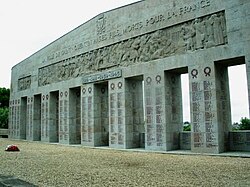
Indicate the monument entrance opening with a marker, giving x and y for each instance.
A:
(23, 118)
(101, 112)
(37, 117)
(75, 115)
(54, 117)
(134, 113)
(174, 112)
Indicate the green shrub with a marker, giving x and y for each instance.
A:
(243, 125)
(186, 126)
(4, 114)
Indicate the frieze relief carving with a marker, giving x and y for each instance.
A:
(24, 83)
(197, 34)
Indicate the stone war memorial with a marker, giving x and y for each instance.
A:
(115, 80)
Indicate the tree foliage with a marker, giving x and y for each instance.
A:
(186, 126)
(4, 107)
(4, 114)
(243, 125)
(4, 97)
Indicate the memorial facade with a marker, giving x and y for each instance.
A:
(115, 80)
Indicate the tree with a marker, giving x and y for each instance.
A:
(4, 114)
(4, 107)
(4, 97)
(243, 125)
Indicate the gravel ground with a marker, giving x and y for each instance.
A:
(57, 165)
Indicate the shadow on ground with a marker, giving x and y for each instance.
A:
(10, 181)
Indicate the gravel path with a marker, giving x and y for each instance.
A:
(57, 165)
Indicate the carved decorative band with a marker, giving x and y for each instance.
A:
(200, 33)
(24, 83)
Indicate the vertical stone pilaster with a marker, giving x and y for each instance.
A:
(117, 114)
(247, 61)
(29, 119)
(45, 118)
(87, 116)
(210, 108)
(223, 104)
(63, 116)
(14, 126)
(155, 112)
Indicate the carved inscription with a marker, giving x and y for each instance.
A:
(84, 120)
(149, 111)
(14, 119)
(196, 113)
(209, 126)
(159, 94)
(90, 119)
(29, 118)
(120, 120)
(87, 122)
(112, 117)
(24, 83)
(102, 76)
(193, 35)
(46, 119)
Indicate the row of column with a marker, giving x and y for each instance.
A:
(144, 111)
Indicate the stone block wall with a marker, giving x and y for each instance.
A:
(239, 140)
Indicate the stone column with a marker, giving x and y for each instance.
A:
(224, 106)
(29, 119)
(87, 116)
(14, 126)
(156, 138)
(210, 108)
(247, 60)
(117, 114)
(63, 116)
(45, 118)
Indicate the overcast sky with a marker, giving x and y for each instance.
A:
(28, 25)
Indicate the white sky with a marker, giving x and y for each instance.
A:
(28, 25)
